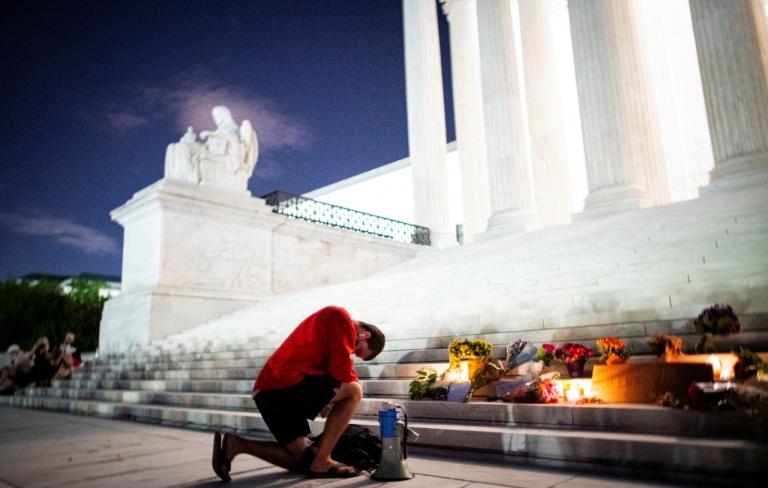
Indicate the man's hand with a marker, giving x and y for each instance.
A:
(326, 409)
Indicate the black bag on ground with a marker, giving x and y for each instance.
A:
(357, 447)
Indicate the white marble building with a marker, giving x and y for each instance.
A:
(579, 125)
(670, 132)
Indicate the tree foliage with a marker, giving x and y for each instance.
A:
(29, 310)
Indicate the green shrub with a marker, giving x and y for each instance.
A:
(30, 310)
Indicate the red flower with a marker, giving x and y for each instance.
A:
(549, 348)
(570, 352)
(696, 398)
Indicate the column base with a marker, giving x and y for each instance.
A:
(508, 222)
(611, 200)
(442, 240)
(737, 173)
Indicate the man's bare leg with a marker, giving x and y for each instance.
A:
(345, 403)
(288, 457)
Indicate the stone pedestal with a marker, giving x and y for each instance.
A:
(426, 120)
(190, 254)
(728, 41)
(505, 115)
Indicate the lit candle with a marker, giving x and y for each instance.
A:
(716, 366)
(726, 373)
(572, 394)
(464, 375)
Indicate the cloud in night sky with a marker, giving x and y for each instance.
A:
(268, 169)
(189, 102)
(61, 230)
(121, 119)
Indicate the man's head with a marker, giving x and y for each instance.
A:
(14, 354)
(369, 340)
(69, 338)
(14, 350)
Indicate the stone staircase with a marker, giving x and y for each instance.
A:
(630, 275)
(209, 390)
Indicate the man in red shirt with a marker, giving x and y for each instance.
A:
(312, 371)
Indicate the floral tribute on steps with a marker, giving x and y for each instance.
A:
(472, 370)
(612, 350)
(717, 320)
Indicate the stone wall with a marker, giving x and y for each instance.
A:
(192, 254)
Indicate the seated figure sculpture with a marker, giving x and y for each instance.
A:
(223, 158)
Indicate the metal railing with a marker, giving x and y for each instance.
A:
(299, 207)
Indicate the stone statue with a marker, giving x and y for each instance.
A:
(223, 158)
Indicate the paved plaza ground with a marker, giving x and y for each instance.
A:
(52, 449)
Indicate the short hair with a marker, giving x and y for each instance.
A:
(376, 341)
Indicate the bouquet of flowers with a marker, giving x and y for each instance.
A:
(715, 320)
(718, 320)
(537, 391)
(427, 386)
(573, 353)
(612, 350)
(491, 372)
(546, 353)
(520, 352)
(465, 349)
(475, 353)
(749, 364)
(661, 344)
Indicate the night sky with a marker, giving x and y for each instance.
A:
(93, 91)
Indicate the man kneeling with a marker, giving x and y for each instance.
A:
(312, 371)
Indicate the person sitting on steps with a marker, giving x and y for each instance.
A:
(311, 372)
(18, 373)
(67, 357)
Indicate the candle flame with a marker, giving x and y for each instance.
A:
(717, 366)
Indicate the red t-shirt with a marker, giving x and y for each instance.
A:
(322, 344)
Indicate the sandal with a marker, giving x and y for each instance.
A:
(334, 472)
(219, 461)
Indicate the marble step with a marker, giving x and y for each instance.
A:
(378, 387)
(201, 386)
(754, 335)
(614, 418)
(628, 241)
(559, 256)
(587, 310)
(416, 337)
(702, 455)
(561, 297)
(405, 370)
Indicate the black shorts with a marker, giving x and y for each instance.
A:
(287, 410)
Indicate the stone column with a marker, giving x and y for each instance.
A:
(735, 90)
(468, 114)
(545, 73)
(426, 119)
(621, 143)
(505, 115)
(666, 39)
(760, 7)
